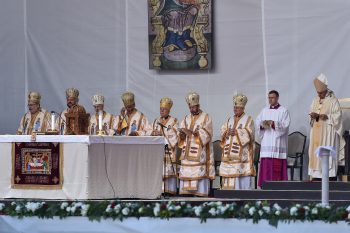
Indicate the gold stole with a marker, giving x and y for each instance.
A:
(193, 145)
(232, 150)
(171, 150)
(317, 132)
(32, 121)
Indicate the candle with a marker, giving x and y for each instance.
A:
(100, 113)
(52, 121)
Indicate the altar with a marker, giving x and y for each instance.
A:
(93, 167)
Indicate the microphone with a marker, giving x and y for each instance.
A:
(59, 115)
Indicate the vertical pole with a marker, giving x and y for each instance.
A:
(325, 178)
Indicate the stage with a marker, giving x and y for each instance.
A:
(177, 214)
(151, 225)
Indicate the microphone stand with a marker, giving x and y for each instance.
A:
(59, 115)
(167, 153)
(120, 124)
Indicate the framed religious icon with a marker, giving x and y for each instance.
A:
(37, 165)
(180, 34)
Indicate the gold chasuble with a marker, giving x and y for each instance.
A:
(37, 122)
(168, 127)
(237, 158)
(197, 159)
(135, 122)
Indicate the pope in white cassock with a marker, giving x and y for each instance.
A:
(107, 118)
(326, 128)
(272, 125)
(197, 159)
(167, 126)
(237, 142)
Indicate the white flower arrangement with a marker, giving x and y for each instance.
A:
(120, 210)
(212, 211)
(293, 211)
(252, 210)
(33, 206)
(222, 209)
(117, 208)
(2, 206)
(73, 209)
(156, 209)
(126, 211)
(267, 209)
(348, 209)
(64, 205)
(18, 208)
(141, 210)
(277, 207)
(109, 209)
(260, 212)
(198, 210)
(84, 209)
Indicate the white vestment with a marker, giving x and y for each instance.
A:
(326, 133)
(107, 120)
(274, 141)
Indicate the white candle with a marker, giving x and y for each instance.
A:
(100, 114)
(52, 121)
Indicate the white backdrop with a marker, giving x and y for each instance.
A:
(100, 46)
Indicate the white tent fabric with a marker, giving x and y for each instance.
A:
(102, 47)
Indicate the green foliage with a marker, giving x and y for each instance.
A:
(97, 210)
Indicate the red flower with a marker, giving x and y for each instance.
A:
(344, 215)
(163, 207)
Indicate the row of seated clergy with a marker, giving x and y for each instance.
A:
(38, 120)
(131, 121)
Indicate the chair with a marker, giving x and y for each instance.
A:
(256, 162)
(296, 148)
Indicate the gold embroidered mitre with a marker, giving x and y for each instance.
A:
(128, 98)
(97, 99)
(192, 99)
(72, 92)
(166, 103)
(34, 97)
(240, 100)
(321, 83)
